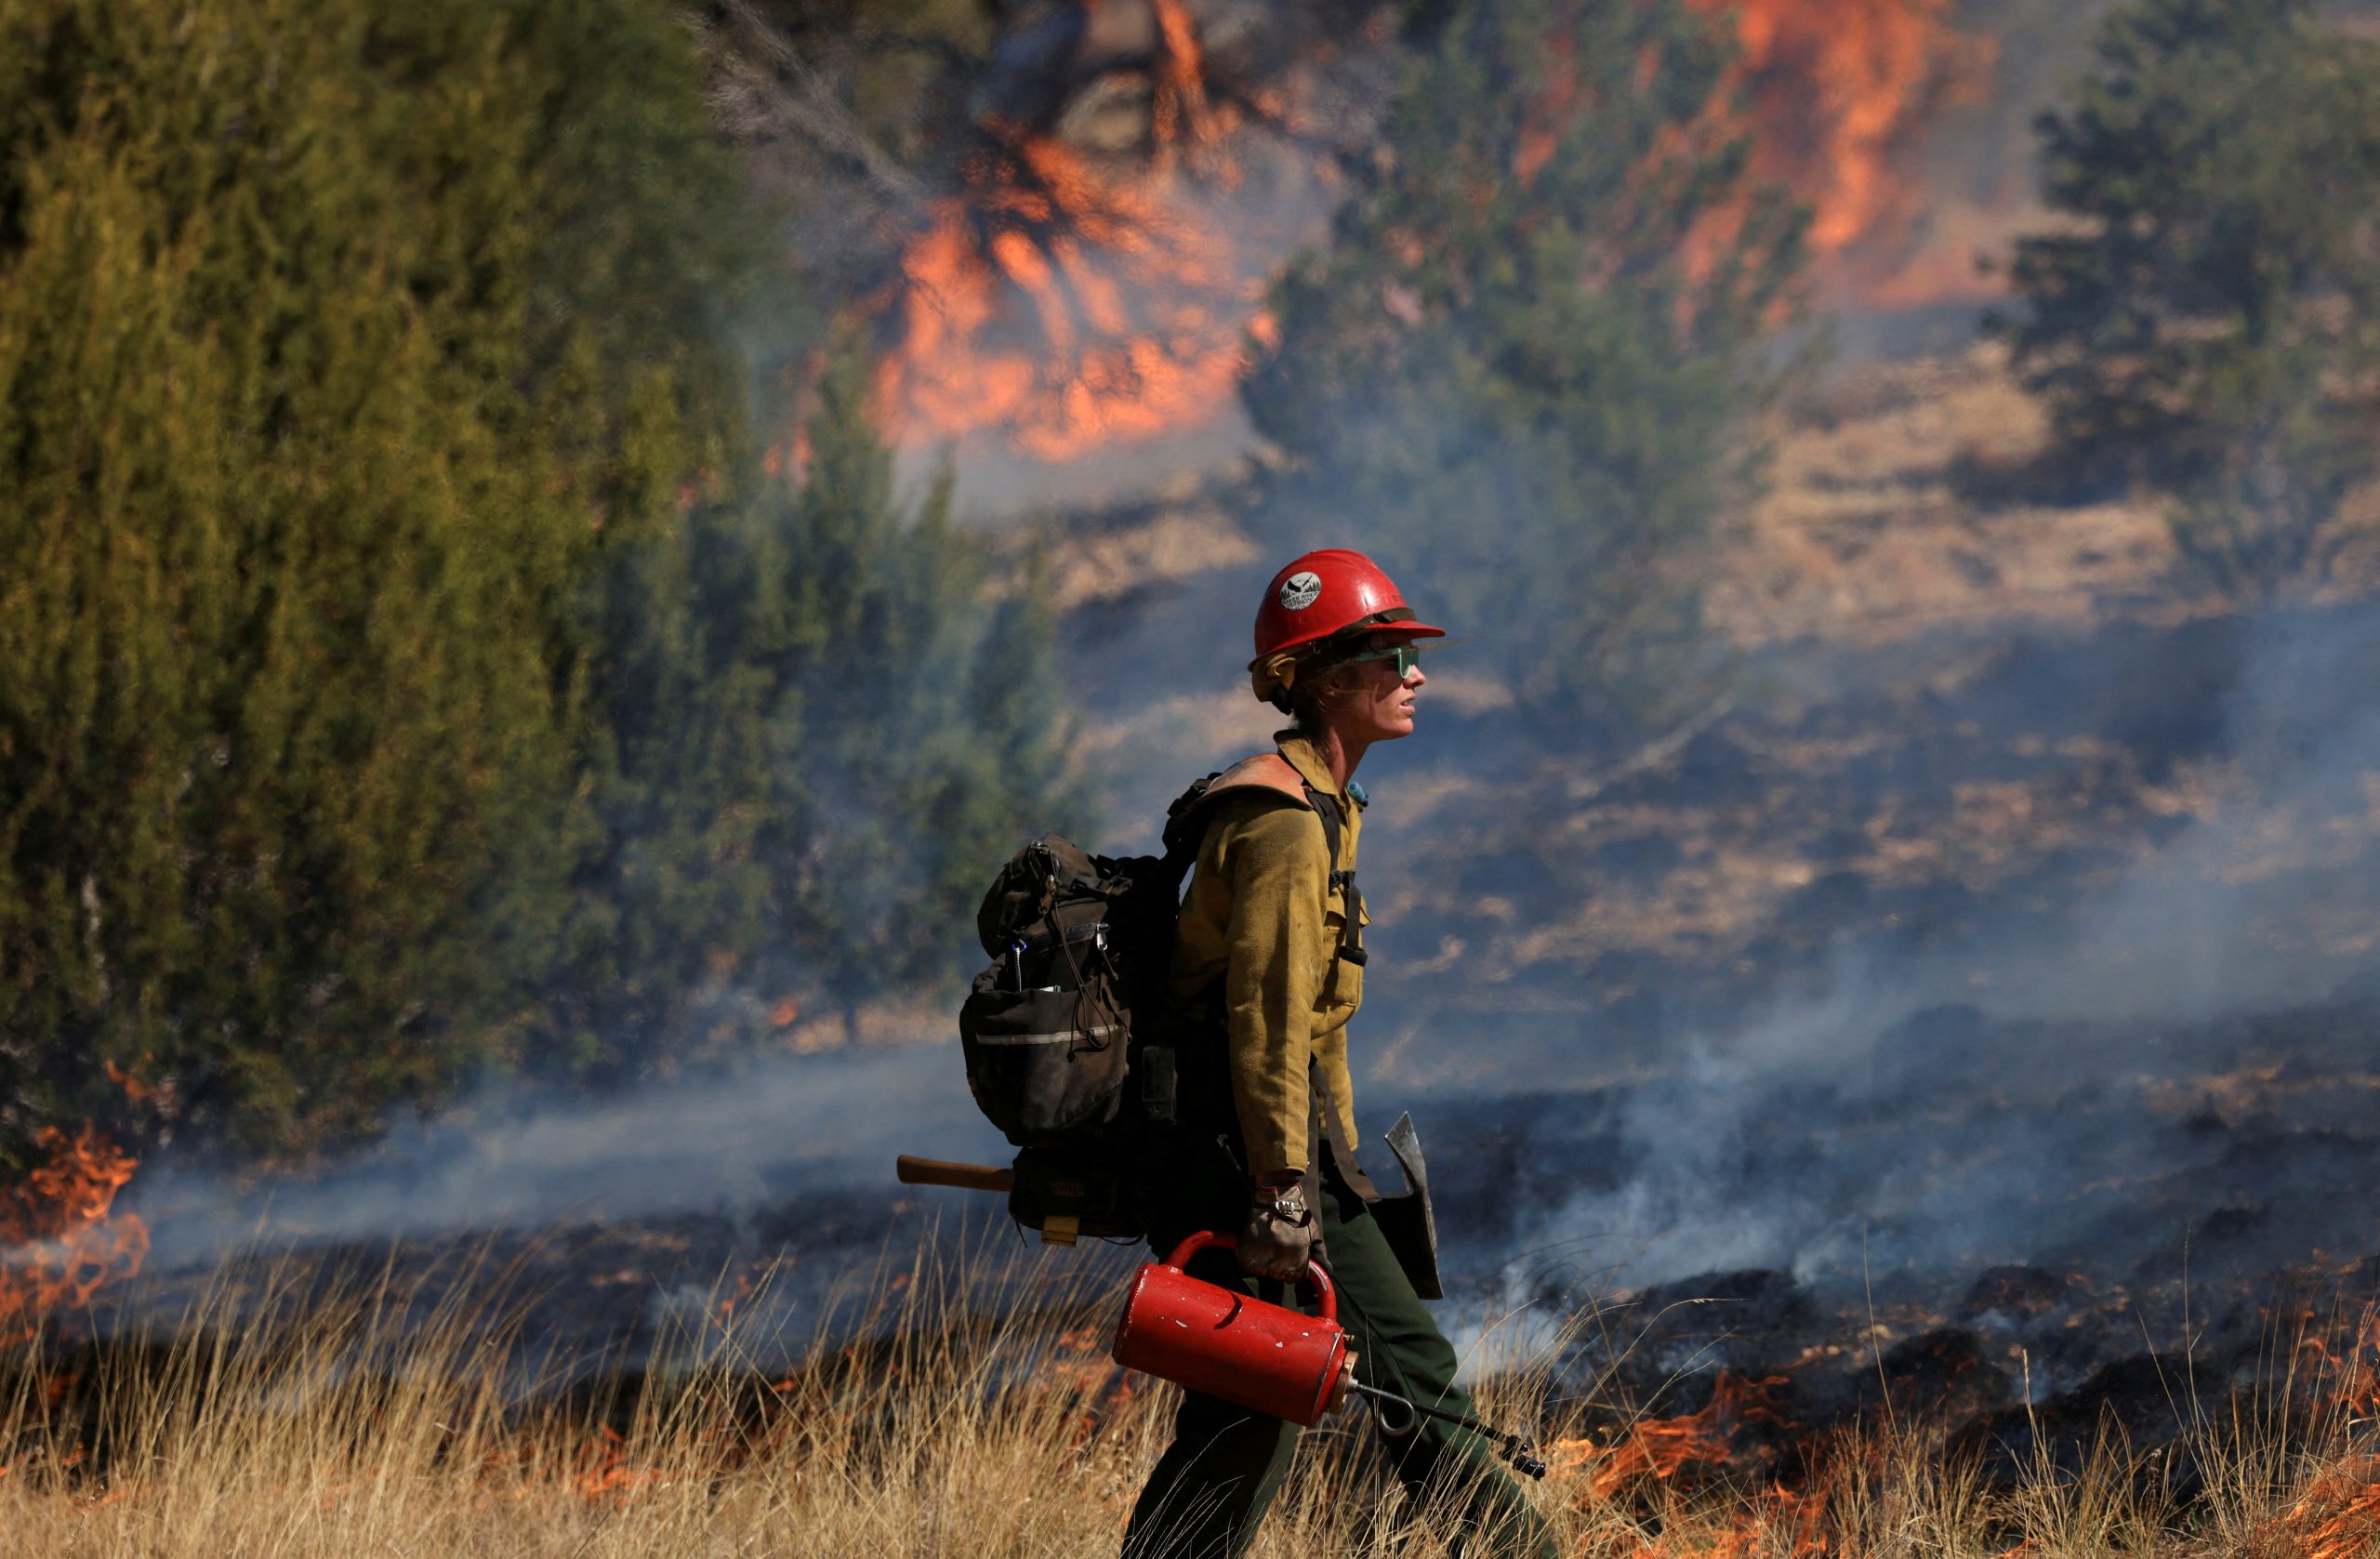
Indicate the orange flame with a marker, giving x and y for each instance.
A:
(2339, 1516)
(1177, 110)
(1657, 1450)
(1062, 308)
(60, 1239)
(1837, 85)
(134, 1089)
(2340, 1365)
(1839, 89)
(604, 1468)
(1777, 1522)
(1079, 1371)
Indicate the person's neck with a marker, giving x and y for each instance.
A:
(1340, 753)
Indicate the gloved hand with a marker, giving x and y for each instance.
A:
(1279, 1234)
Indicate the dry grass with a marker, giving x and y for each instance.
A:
(1886, 516)
(354, 1424)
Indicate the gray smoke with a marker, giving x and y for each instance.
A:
(777, 1131)
(2027, 1096)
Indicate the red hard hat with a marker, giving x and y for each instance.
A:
(1327, 593)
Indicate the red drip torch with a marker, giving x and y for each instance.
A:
(1264, 1357)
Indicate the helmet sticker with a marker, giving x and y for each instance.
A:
(1300, 591)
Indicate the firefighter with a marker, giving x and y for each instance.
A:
(1267, 970)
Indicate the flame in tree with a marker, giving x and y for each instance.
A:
(60, 1239)
(1062, 306)
(1839, 88)
(1066, 307)
(1133, 321)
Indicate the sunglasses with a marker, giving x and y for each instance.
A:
(1406, 656)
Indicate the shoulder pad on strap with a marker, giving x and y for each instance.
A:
(1268, 771)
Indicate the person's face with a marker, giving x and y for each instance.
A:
(1377, 702)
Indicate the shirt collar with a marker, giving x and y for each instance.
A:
(1302, 756)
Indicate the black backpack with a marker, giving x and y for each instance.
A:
(1068, 1034)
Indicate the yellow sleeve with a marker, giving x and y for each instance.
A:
(1281, 871)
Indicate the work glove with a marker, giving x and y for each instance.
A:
(1279, 1234)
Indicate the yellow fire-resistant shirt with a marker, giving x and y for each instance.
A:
(1262, 915)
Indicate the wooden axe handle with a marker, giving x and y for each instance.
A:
(967, 1177)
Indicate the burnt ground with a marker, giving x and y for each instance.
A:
(1989, 1226)
(1981, 1224)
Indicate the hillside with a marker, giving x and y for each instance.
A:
(1981, 742)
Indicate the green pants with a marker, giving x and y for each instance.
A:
(1214, 1482)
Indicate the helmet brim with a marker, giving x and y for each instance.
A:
(1353, 630)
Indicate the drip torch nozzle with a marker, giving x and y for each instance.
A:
(1518, 1450)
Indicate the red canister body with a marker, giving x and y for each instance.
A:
(1264, 1357)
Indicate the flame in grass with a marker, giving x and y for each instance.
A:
(928, 1426)
(1653, 1451)
(1777, 1522)
(1079, 1372)
(2338, 1517)
(1658, 1450)
(604, 1468)
(61, 1240)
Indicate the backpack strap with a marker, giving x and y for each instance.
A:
(1350, 947)
(1269, 771)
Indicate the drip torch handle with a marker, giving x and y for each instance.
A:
(1205, 1239)
(966, 1176)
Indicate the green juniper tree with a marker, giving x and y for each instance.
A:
(1520, 368)
(407, 667)
(924, 700)
(2209, 312)
(825, 718)
(340, 346)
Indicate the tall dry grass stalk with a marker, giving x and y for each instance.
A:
(957, 1409)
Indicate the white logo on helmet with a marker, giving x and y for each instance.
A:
(1300, 591)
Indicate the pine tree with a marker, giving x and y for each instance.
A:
(1520, 369)
(2208, 312)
